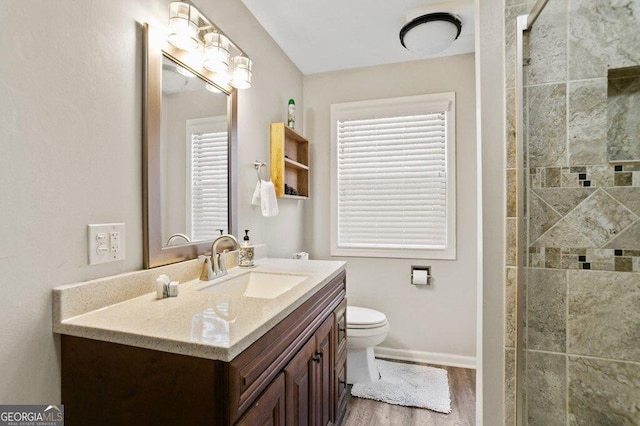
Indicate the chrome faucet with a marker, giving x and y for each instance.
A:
(176, 236)
(224, 243)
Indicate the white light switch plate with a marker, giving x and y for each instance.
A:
(105, 243)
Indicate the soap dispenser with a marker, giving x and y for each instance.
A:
(246, 251)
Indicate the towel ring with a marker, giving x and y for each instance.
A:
(258, 166)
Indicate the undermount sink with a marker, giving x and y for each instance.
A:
(262, 285)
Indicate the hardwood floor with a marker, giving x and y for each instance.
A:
(462, 384)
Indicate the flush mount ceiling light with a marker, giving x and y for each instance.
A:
(172, 82)
(185, 72)
(192, 33)
(431, 33)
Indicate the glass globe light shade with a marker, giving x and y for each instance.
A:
(430, 34)
(216, 53)
(241, 72)
(183, 26)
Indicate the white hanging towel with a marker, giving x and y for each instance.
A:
(268, 200)
(255, 200)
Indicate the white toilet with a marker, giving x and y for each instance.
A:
(366, 328)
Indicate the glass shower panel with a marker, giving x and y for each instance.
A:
(578, 345)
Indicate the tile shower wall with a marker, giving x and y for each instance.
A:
(581, 319)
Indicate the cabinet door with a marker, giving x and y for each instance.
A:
(340, 364)
(269, 408)
(341, 392)
(299, 383)
(324, 373)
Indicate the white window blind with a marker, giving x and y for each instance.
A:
(209, 189)
(393, 185)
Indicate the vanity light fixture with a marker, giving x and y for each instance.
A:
(191, 31)
(431, 33)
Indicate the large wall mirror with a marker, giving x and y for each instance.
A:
(189, 150)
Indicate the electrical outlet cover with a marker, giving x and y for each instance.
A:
(105, 243)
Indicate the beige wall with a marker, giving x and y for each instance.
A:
(437, 320)
(70, 131)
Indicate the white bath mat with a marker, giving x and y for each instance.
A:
(409, 385)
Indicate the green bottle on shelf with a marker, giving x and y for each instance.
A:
(291, 114)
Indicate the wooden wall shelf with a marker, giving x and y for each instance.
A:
(289, 161)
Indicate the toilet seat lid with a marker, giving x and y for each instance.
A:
(358, 317)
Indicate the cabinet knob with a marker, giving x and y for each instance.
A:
(317, 357)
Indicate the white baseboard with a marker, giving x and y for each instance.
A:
(426, 357)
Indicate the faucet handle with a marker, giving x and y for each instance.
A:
(216, 264)
(223, 261)
(220, 268)
(207, 272)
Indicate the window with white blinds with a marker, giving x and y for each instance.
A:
(208, 187)
(394, 177)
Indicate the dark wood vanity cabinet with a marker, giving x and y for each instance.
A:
(269, 408)
(293, 375)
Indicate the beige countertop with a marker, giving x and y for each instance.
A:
(202, 321)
